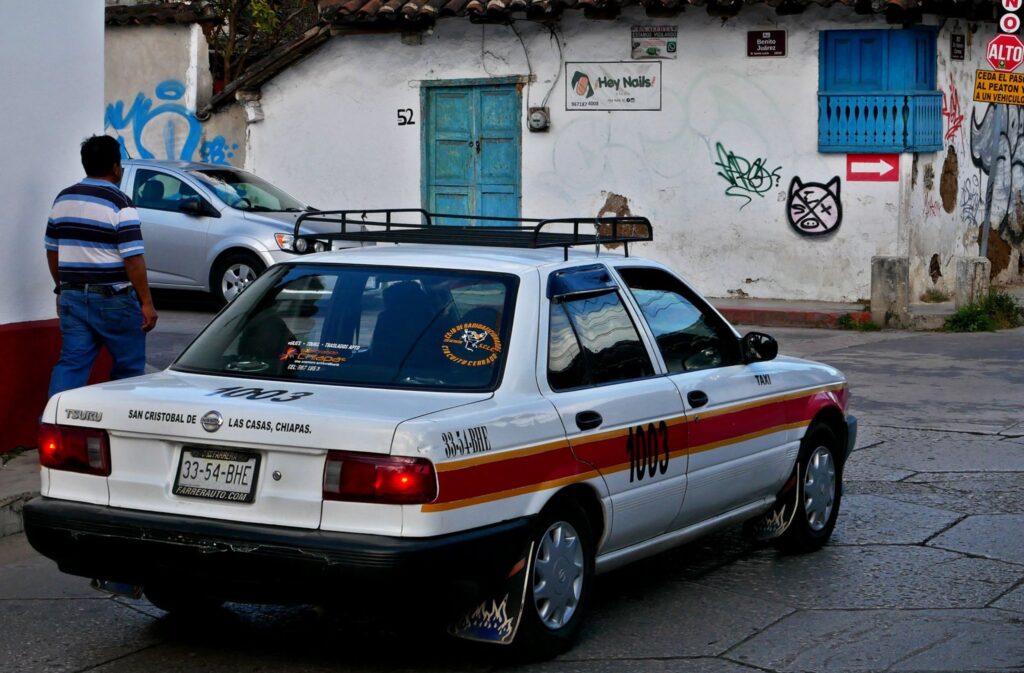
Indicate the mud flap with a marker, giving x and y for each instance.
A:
(117, 588)
(775, 521)
(496, 618)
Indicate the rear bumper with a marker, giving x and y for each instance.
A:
(851, 435)
(263, 563)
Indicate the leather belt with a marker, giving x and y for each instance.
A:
(105, 290)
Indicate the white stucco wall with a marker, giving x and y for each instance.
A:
(52, 79)
(330, 136)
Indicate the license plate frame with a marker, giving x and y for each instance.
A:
(218, 461)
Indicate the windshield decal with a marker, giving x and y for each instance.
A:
(310, 356)
(471, 344)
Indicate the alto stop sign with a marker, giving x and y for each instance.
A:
(1005, 52)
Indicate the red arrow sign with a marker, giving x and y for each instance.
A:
(873, 167)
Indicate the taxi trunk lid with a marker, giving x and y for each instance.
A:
(276, 433)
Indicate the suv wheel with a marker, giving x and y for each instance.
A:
(233, 274)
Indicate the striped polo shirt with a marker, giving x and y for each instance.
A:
(93, 228)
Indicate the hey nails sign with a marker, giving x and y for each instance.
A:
(873, 167)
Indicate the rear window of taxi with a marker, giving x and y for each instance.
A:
(365, 326)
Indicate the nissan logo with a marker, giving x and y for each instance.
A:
(212, 421)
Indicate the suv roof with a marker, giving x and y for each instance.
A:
(180, 165)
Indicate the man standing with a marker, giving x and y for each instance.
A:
(95, 253)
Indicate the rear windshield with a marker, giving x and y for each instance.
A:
(373, 326)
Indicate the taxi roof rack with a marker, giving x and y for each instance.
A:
(380, 226)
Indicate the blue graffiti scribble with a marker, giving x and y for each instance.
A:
(142, 114)
(217, 151)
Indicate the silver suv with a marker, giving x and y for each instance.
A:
(212, 228)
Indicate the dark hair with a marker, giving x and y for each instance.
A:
(99, 155)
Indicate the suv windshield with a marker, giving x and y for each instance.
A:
(245, 191)
(384, 327)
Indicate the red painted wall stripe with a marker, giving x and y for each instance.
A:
(29, 351)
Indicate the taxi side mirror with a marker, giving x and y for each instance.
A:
(758, 347)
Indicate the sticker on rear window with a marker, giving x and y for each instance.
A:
(313, 356)
(471, 344)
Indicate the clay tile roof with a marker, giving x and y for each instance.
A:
(342, 13)
(158, 14)
(341, 16)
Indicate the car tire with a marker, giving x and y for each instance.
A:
(821, 491)
(233, 274)
(178, 600)
(560, 583)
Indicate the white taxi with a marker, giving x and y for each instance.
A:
(488, 424)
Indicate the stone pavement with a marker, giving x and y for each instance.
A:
(925, 571)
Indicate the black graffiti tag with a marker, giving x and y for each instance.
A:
(813, 208)
(745, 177)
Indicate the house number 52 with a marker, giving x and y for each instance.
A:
(405, 117)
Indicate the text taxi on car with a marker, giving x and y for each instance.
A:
(476, 417)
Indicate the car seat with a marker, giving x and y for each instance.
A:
(152, 194)
(403, 322)
(265, 337)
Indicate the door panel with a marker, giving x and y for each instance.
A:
(641, 432)
(175, 241)
(499, 133)
(472, 148)
(598, 369)
(453, 161)
(736, 432)
(735, 441)
(497, 204)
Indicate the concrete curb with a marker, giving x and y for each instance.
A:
(19, 483)
(776, 317)
(10, 513)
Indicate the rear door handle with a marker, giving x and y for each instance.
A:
(588, 420)
(697, 398)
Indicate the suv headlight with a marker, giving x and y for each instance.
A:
(288, 243)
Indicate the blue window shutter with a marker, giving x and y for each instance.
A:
(855, 60)
(913, 60)
(877, 91)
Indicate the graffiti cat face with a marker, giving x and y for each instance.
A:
(812, 208)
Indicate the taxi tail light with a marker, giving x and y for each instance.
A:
(361, 477)
(74, 449)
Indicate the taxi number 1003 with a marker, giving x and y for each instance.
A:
(258, 394)
(648, 451)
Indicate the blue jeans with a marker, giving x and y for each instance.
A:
(88, 321)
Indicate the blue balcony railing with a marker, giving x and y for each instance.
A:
(890, 122)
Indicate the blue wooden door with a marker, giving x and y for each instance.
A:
(472, 151)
